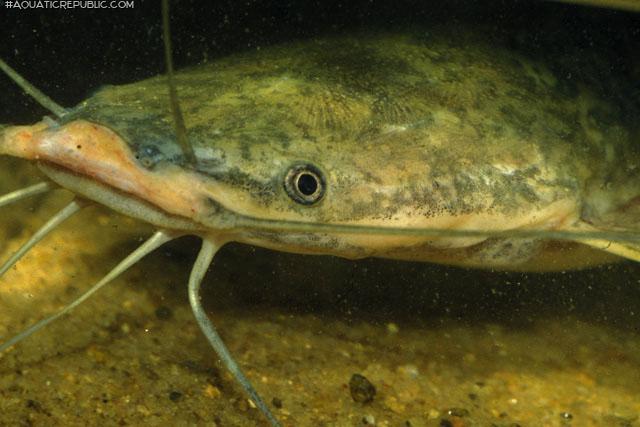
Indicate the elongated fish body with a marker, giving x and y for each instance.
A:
(407, 130)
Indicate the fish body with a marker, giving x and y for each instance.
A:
(407, 130)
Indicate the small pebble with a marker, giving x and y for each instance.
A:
(409, 370)
(369, 420)
(34, 404)
(276, 402)
(174, 396)
(212, 391)
(458, 412)
(566, 416)
(143, 410)
(433, 414)
(242, 405)
(361, 389)
(164, 313)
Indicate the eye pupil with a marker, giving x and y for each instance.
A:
(307, 184)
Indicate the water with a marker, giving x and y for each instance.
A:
(502, 348)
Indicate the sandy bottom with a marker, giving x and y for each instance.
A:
(442, 347)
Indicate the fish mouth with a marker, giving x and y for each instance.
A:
(95, 162)
(115, 199)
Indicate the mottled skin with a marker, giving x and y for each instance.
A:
(410, 130)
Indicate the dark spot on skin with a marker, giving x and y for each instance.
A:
(283, 138)
(529, 83)
(214, 207)
(78, 146)
(452, 77)
(441, 58)
(497, 129)
(223, 216)
(517, 118)
(245, 149)
(459, 111)
(489, 87)
(264, 191)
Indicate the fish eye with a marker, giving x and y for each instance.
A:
(305, 184)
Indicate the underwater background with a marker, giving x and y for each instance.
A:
(442, 346)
